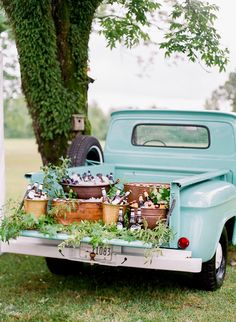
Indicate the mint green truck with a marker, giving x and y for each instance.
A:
(194, 152)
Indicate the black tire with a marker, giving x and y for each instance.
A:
(83, 149)
(212, 275)
(59, 266)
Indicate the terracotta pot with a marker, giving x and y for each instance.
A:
(91, 211)
(36, 207)
(69, 211)
(87, 191)
(110, 213)
(66, 211)
(138, 188)
(152, 216)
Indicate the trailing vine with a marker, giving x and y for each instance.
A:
(15, 221)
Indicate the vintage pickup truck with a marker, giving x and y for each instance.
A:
(194, 152)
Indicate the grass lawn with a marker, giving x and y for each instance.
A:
(21, 156)
(29, 292)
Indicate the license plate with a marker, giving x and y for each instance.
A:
(97, 253)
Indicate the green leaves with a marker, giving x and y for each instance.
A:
(225, 93)
(160, 195)
(17, 220)
(122, 30)
(192, 32)
(129, 27)
(55, 173)
(100, 234)
(190, 28)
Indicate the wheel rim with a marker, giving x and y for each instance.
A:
(94, 156)
(219, 256)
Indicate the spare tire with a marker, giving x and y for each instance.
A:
(85, 150)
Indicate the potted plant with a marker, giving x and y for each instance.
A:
(115, 199)
(65, 205)
(35, 200)
(156, 205)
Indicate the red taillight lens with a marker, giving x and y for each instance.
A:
(183, 242)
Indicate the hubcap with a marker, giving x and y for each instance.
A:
(219, 256)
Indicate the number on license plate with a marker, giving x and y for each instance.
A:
(100, 252)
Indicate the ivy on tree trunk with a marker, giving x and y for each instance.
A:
(52, 41)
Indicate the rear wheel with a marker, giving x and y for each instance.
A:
(213, 272)
(85, 150)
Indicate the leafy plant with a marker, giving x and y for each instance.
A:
(17, 220)
(161, 194)
(71, 194)
(100, 234)
(119, 185)
(55, 173)
(62, 207)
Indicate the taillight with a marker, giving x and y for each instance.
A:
(183, 242)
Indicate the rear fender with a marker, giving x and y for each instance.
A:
(205, 208)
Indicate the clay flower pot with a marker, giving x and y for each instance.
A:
(66, 211)
(152, 216)
(90, 210)
(138, 188)
(69, 211)
(110, 213)
(37, 207)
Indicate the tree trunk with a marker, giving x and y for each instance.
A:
(52, 41)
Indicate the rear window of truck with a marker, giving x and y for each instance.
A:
(171, 136)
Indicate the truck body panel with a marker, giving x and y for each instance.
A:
(202, 178)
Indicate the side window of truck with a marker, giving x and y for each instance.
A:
(171, 136)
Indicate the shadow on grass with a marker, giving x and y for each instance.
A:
(94, 276)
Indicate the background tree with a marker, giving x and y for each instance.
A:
(99, 121)
(52, 40)
(11, 73)
(17, 122)
(224, 96)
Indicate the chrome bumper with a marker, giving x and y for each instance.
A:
(122, 255)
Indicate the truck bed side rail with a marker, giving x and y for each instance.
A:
(182, 183)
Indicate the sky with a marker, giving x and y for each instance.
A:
(164, 84)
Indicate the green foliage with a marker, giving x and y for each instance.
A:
(3, 21)
(192, 32)
(15, 220)
(99, 121)
(53, 53)
(17, 122)
(100, 234)
(160, 195)
(128, 28)
(225, 93)
(54, 174)
(40, 70)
